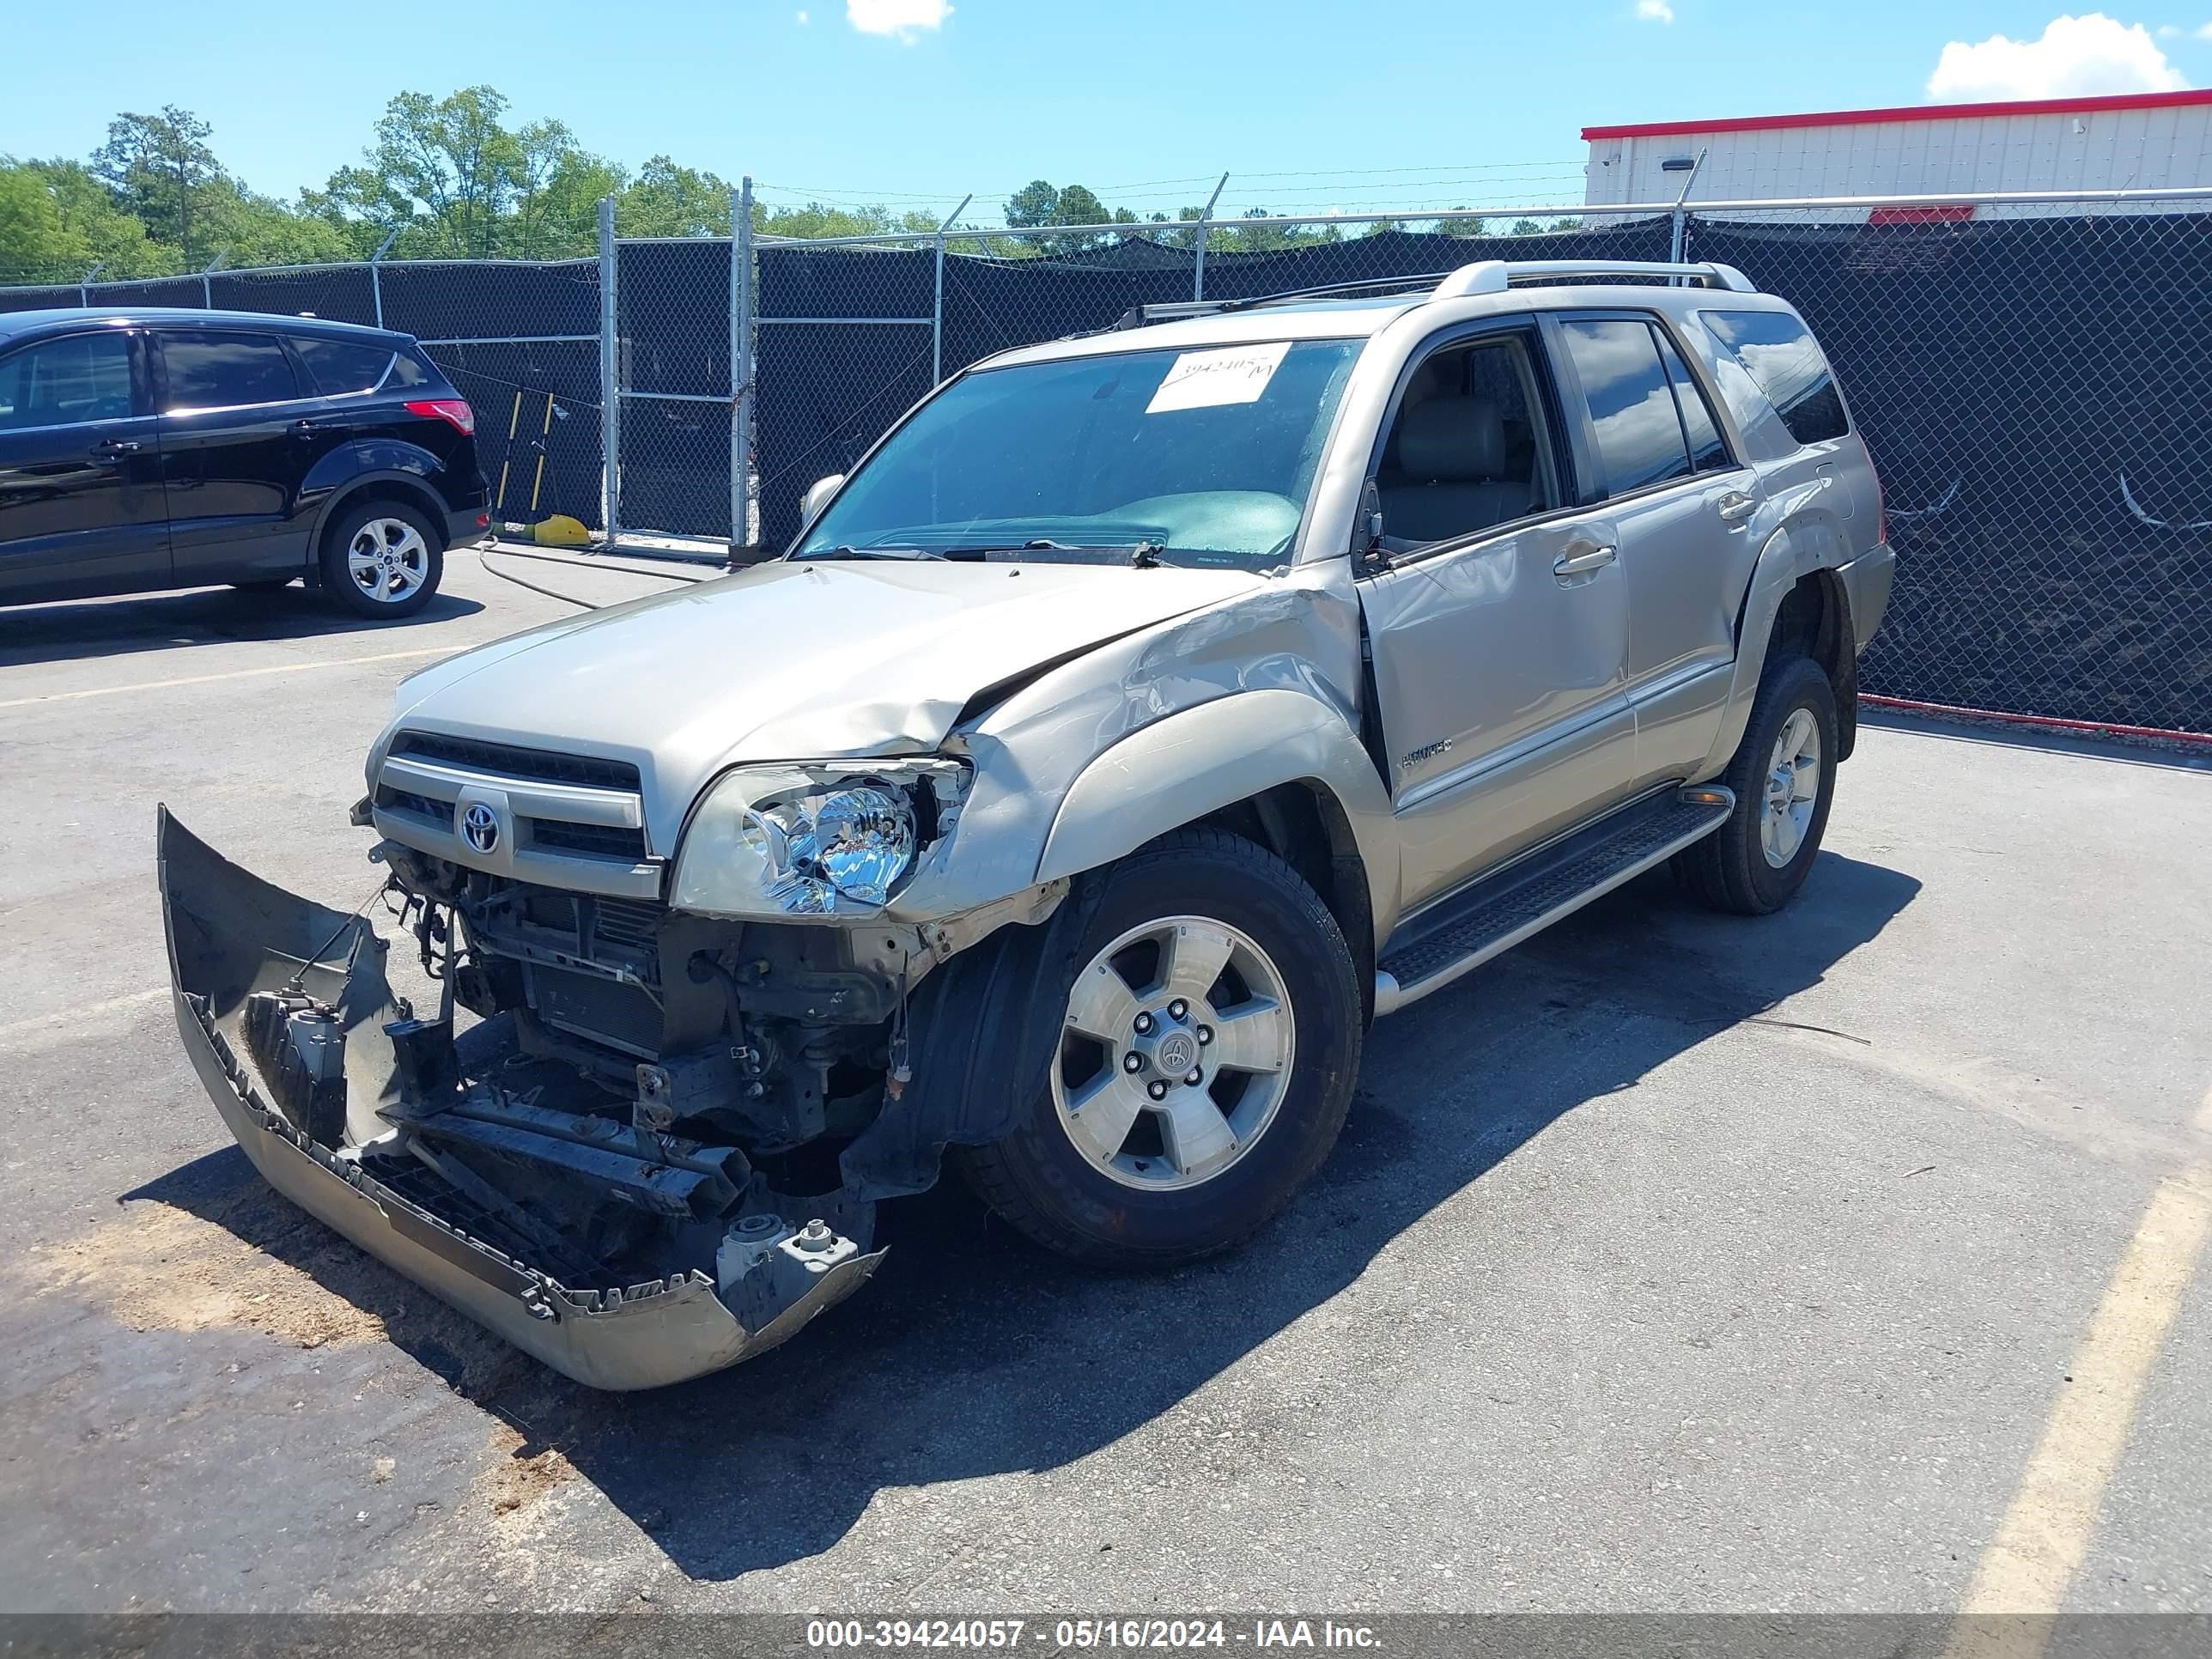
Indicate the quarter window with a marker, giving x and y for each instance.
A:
(85, 377)
(212, 370)
(1779, 353)
(337, 366)
(1631, 407)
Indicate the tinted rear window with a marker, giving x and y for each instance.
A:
(1779, 353)
(408, 370)
(207, 369)
(337, 366)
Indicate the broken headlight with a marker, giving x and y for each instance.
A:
(832, 838)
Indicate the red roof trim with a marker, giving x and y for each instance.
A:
(1861, 117)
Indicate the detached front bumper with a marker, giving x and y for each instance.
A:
(230, 934)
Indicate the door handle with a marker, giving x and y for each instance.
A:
(1735, 506)
(1585, 557)
(111, 446)
(317, 429)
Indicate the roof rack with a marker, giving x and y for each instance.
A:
(1484, 277)
(1496, 276)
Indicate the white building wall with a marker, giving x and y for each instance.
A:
(2096, 149)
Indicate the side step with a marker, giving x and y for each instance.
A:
(1458, 934)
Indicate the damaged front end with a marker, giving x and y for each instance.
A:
(535, 1181)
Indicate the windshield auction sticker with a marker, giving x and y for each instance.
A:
(1228, 374)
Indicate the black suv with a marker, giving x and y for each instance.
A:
(151, 449)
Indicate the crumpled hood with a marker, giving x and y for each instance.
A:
(789, 661)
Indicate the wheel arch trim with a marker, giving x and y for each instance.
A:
(1218, 754)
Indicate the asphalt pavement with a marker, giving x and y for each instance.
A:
(1669, 1262)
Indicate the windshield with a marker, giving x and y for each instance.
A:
(1199, 458)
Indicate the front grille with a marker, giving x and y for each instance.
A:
(542, 765)
(596, 840)
(402, 800)
(573, 821)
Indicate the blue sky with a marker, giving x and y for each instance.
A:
(1305, 103)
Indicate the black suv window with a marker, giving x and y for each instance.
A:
(207, 369)
(1779, 353)
(1639, 431)
(337, 366)
(85, 377)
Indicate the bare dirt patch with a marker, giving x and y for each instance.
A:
(521, 1472)
(156, 1267)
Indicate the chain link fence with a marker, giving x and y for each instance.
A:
(2031, 373)
(520, 340)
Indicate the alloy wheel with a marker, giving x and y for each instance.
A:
(1176, 1053)
(388, 559)
(1793, 788)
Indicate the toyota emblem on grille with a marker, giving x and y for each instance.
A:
(481, 825)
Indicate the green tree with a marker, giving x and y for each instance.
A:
(668, 200)
(111, 237)
(445, 166)
(36, 245)
(162, 168)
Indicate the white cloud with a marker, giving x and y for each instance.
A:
(802, 17)
(1655, 12)
(898, 17)
(2075, 56)
(2204, 32)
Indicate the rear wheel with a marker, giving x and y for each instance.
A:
(1206, 1051)
(1784, 775)
(382, 560)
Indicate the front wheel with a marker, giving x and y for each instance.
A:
(381, 560)
(1784, 775)
(1204, 1061)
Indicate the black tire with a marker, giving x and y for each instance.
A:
(1037, 1180)
(338, 579)
(1729, 869)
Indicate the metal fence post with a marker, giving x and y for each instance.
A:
(609, 392)
(207, 280)
(84, 283)
(1204, 223)
(1680, 243)
(375, 276)
(936, 306)
(741, 365)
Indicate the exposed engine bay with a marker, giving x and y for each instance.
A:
(643, 1109)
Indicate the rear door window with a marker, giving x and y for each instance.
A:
(1780, 355)
(1708, 453)
(83, 377)
(211, 369)
(337, 366)
(1631, 406)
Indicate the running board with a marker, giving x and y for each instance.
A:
(1495, 914)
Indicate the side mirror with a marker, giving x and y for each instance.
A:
(816, 494)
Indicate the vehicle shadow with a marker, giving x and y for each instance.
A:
(974, 1353)
(78, 630)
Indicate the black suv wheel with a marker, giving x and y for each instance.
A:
(383, 559)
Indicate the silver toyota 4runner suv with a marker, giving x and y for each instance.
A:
(1145, 715)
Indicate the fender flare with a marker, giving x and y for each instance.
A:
(1794, 551)
(352, 486)
(1230, 749)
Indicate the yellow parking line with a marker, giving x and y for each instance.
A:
(232, 674)
(2031, 1563)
